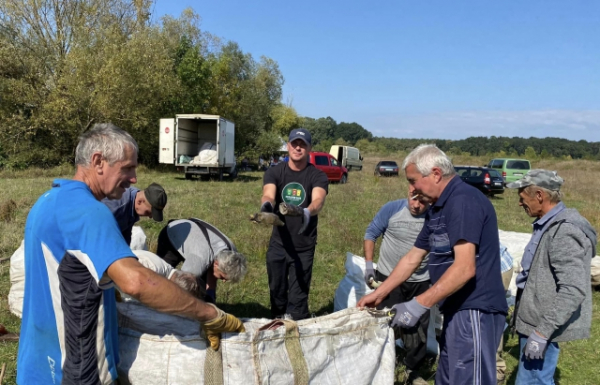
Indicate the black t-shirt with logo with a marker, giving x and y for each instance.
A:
(295, 187)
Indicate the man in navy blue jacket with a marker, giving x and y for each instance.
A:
(461, 237)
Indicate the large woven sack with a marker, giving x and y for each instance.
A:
(515, 243)
(352, 287)
(346, 347)
(17, 281)
(596, 271)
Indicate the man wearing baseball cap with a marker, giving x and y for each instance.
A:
(292, 246)
(137, 203)
(554, 302)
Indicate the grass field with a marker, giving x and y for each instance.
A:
(348, 210)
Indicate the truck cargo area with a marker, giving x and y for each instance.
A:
(198, 144)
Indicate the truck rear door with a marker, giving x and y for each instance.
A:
(166, 141)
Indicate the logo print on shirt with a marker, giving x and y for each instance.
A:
(293, 193)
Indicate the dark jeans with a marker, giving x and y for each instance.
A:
(415, 344)
(289, 274)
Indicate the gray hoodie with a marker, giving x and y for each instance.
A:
(557, 299)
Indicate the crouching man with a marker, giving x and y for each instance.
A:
(554, 299)
(206, 253)
(399, 222)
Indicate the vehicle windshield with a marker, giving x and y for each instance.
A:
(517, 165)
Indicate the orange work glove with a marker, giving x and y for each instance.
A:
(223, 322)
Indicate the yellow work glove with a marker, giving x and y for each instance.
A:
(223, 322)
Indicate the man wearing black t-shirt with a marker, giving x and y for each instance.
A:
(292, 246)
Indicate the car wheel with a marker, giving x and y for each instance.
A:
(344, 179)
(188, 176)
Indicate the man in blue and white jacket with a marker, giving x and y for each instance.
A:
(399, 222)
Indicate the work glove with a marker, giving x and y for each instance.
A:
(266, 207)
(407, 314)
(369, 273)
(223, 322)
(535, 348)
(305, 220)
(211, 296)
(291, 210)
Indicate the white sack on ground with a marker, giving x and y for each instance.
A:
(515, 243)
(17, 281)
(347, 347)
(138, 239)
(352, 287)
(596, 271)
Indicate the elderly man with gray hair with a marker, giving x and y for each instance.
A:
(206, 252)
(74, 256)
(554, 299)
(460, 234)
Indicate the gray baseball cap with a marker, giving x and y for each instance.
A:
(541, 178)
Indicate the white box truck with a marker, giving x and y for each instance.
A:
(348, 157)
(201, 145)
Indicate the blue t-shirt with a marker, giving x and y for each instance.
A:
(464, 213)
(69, 331)
(124, 211)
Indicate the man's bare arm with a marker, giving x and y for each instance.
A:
(269, 191)
(369, 249)
(156, 291)
(318, 200)
(457, 275)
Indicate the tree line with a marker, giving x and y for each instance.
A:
(67, 64)
(326, 132)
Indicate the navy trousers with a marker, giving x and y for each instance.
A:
(468, 347)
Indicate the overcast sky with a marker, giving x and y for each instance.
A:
(426, 69)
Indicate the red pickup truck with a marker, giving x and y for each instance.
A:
(330, 166)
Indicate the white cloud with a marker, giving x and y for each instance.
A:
(569, 124)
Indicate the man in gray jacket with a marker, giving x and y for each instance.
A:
(554, 300)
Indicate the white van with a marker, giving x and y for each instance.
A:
(349, 157)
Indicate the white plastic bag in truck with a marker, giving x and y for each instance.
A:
(346, 347)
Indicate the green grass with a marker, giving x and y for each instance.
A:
(348, 210)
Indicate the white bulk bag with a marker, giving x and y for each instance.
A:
(352, 287)
(346, 347)
(138, 239)
(515, 243)
(596, 271)
(17, 281)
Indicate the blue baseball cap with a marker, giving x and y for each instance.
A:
(301, 133)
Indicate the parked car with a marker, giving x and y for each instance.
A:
(511, 169)
(330, 166)
(486, 180)
(386, 168)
